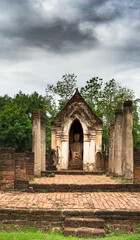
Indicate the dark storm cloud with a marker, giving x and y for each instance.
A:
(25, 25)
(57, 36)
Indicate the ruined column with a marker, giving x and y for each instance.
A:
(111, 148)
(53, 138)
(99, 133)
(65, 152)
(58, 150)
(92, 165)
(43, 144)
(36, 142)
(86, 152)
(118, 142)
(127, 141)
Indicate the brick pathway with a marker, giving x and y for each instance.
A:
(102, 201)
(75, 179)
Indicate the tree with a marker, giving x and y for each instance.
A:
(64, 89)
(92, 94)
(105, 99)
(113, 96)
(30, 102)
(15, 129)
(5, 101)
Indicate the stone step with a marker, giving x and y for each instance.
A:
(84, 232)
(76, 222)
(72, 172)
(85, 187)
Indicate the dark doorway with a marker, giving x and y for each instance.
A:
(76, 146)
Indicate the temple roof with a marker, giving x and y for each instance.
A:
(76, 98)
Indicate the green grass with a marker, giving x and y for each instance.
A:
(34, 234)
(120, 180)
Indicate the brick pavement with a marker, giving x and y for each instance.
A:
(75, 179)
(94, 200)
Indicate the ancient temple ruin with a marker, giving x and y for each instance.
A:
(76, 140)
(76, 147)
(76, 136)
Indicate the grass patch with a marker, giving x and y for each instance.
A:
(35, 234)
(120, 180)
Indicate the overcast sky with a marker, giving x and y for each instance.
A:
(41, 40)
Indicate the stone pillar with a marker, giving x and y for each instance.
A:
(7, 169)
(65, 152)
(53, 139)
(99, 140)
(118, 142)
(86, 152)
(127, 141)
(36, 142)
(43, 144)
(58, 150)
(111, 148)
(92, 151)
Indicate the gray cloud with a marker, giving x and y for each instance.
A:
(28, 25)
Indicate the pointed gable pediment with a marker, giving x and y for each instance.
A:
(77, 105)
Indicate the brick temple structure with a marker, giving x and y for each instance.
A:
(77, 136)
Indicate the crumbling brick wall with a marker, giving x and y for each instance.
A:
(16, 169)
(20, 166)
(136, 178)
(7, 168)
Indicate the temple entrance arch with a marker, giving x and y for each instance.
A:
(75, 146)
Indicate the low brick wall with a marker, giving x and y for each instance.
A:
(7, 168)
(136, 173)
(71, 172)
(85, 187)
(16, 169)
(21, 185)
(55, 218)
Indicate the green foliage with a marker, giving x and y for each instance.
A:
(5, 101)
(64, 89)
(30, 102)
(92, 94)
(112, 97)
(104, 99)
(15, 129)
